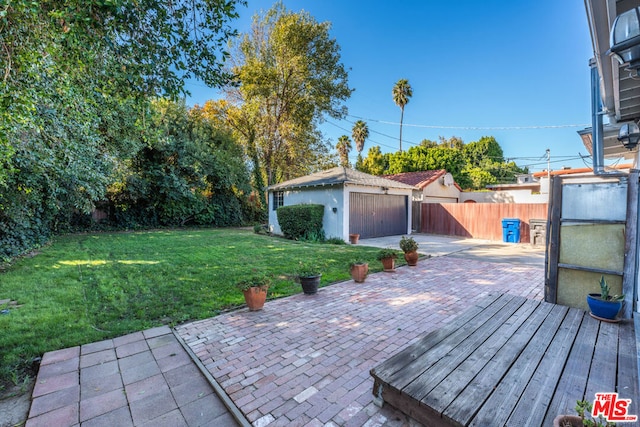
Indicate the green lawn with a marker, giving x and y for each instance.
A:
(89, 287)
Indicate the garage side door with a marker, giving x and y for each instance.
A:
(377, 215)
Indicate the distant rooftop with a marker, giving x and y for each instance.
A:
(420, 179)
(572, 171)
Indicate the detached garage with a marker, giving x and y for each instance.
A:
(354, 202)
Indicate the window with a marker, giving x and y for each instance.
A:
(278, 199)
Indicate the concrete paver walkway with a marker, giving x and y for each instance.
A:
(481, 250)
(305, 360)
(145, 378)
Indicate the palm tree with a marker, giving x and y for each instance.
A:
(344, 146)
(401, 93)
(359, 133)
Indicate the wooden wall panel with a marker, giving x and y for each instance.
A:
(478, 220)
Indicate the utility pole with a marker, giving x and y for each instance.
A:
(549, 165)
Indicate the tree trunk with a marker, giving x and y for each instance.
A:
(401, 116)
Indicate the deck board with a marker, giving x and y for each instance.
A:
(494, 357)
(573, 380)
(627, 362)
(602, 376)
(510, 361)
(545, 377)
(486, 382)
(452, 361)
(421, 363)
(452, 331)
(498, 407)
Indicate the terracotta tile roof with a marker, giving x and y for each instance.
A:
(337, 176)
(418, 179)
(578, 170)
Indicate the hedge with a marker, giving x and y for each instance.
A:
(299, 221)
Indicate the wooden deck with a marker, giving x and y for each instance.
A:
(510, 361)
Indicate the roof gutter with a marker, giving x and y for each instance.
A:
(597, 127)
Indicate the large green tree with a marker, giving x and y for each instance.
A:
(401, 94)
(486, 149)
(421, 158)
(289, 77)
(473, 166)
(190, 172)
(344, 147)
(103, 49)
(360, 133)
(375, 163)
(77, 81)
(486, 164)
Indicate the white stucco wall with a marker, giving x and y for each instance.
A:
(329, 196)
(438, 193)
(510, 196)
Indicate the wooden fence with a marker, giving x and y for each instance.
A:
(478, 220)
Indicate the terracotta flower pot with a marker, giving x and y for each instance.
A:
(353, 238)
(388, 264)
(359, 272)
(411, 258)
(255, 297)
(567, 420)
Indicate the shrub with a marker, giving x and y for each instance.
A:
(387, 253)
(408, 244)
(259, 281)
(314, 236)
(299, 221)
(335, 241)
(310, 270)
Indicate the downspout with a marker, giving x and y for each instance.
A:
(597, 129)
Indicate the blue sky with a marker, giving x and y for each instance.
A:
(475, 67)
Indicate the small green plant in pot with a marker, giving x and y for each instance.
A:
(388, 258)
(581, 420)
(309, 276)
(604, 305)
(255, 291)
(410, 248)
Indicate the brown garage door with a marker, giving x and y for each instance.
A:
(376, 215)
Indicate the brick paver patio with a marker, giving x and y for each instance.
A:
(305, 360)
(144, 378)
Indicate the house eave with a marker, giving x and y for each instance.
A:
(619, 90)
(339, 177)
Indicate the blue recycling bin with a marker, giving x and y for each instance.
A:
(511, 230)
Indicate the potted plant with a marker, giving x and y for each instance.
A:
(410, 248)
(359, 270)
(604, 305)
(353, 238)
(255, 291)
(388, 259)
(580, 420)
(309, 276)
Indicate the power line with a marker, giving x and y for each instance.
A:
(559, 159)
(473, 127)
(368, 139)
(553, 161)
(395, 138)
